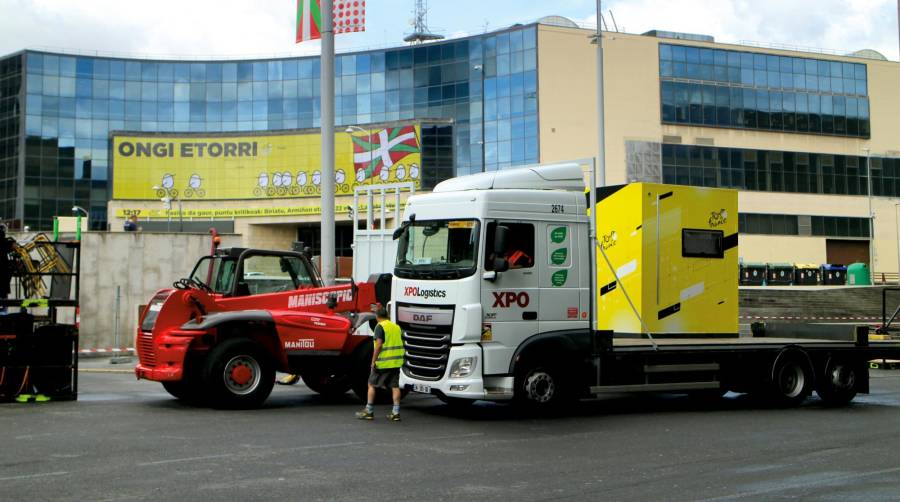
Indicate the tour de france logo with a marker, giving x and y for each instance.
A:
(608, 240)
(718, 218)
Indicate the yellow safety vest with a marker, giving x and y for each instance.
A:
(391, 355)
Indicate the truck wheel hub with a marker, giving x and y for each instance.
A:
(842, 378)
(539, 387)
(792, 381)
(242, 374)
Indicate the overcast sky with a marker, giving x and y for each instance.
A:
(237, 28)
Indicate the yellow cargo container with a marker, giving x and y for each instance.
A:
(674, 252)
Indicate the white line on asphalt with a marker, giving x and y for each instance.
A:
(794, 486)
(224, 455)
(29, 476)
(173, 460)
(323, 446)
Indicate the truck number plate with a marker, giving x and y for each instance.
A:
(424, 389)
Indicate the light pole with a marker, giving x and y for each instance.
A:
(480, 69)
(168, 200)
(871, 216)
(367, 131)
(76, 209)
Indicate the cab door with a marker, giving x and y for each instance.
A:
(511, 302)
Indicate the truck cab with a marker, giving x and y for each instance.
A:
(484, 264)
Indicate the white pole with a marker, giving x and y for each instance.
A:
(601, 141)
(871, 219)
(327, 126)
(897, 239)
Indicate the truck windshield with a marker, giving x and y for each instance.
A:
(215, 271)
(437, 249)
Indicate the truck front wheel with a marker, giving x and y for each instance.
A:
(238, 374)
(541, 387)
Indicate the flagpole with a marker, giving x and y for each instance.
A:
(327, 125)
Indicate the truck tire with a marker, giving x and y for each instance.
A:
(326, 384)
(238, 374)
(791, 380)
(838, 384)
(541, 386)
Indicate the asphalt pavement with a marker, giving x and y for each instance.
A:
(129, 440)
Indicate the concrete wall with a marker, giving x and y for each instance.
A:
(141, 263)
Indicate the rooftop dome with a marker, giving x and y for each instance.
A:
(869, 54)
(557, 21)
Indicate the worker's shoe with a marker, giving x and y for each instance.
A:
(40, 398)
(394, 417)
(288, 380)
(365, 415)
(24, 398)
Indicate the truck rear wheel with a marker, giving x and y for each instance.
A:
(238, 374)
(838, 385)
(791, 381)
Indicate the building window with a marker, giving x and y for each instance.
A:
(779, 171)
(744, 90)
(788, 224)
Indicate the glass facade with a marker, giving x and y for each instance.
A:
(10, 134)
(486, 85)
(778, 171)
(788, 224)
(749, 90)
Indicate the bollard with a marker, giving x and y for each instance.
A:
(118, 359)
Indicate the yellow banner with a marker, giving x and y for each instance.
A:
(189, 167)
(144, 213)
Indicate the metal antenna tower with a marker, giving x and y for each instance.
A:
(420, 25)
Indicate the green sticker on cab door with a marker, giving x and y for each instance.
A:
(559, 278)
(557, 235)
(558, 257)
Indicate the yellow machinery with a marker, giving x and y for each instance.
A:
(674, 249)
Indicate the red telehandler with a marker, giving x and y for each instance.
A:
(220, 334)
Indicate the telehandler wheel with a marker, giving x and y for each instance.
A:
(326, 384)
(791, 380)
(238, 374)
(839, 384)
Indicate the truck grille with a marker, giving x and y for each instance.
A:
(146, 352)
(427, 350)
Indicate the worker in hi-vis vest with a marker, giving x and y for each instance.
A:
(387, 358)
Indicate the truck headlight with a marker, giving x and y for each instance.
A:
(463, 367)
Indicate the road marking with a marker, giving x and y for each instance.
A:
(189, 459)
(225, 455)
(794, 486)
(29, 476)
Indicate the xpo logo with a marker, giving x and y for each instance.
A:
(506, 299)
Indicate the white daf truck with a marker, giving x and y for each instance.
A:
(506, 289)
